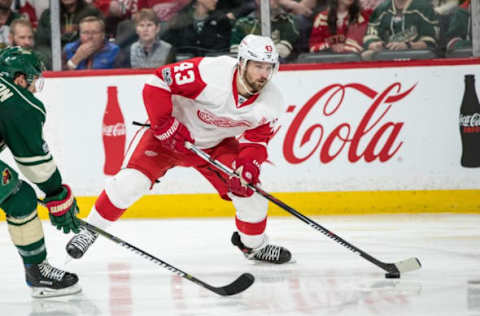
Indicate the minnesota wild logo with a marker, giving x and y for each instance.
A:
(6, 176)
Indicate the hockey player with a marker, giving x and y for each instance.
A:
(226, 106)
(21, 120)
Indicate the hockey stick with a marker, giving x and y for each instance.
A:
(394, 269)
(242, 283)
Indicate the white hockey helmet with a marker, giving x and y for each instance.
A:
(257, 48)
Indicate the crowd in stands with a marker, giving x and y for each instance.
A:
(105, 34)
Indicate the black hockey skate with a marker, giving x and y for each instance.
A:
(266, 253)
(79, 244)
(48, 281)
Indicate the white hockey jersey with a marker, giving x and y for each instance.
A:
(201, 93)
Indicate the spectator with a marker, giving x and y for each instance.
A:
(370, 4)
(149, 51)
(340, 28)
(6, 18)
(71, 12)
(401, 25)
(465, 4)
(445, 7)
(26, 9)
(119, 8)
(199, 30)
(165, 9)
(459, 34)
(91, 51)
(304, 13)
(283, 29)
(21, 34)
(235, 9)
(39, 6)
(114, 12)
(444, 10)
(302, 7)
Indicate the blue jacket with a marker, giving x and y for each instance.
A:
(104, 59)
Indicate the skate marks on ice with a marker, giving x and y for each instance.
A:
(75, 305)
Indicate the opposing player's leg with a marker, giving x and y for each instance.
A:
(148, 162)
(251, 212)
(18, 200)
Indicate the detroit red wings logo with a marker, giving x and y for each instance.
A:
(220, 121)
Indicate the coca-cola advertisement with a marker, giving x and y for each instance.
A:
(113, 133)
(469, 122)
(364, 129)
(370, 137)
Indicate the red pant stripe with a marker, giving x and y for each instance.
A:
(251, 228)
(106, 209)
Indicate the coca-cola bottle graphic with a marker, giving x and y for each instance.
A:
(470, 124)
(113, 133)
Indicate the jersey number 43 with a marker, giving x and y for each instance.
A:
(183, 73)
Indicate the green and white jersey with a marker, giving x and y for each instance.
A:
(283, 30)
(415, 22)
(22, 116)
(459, 34)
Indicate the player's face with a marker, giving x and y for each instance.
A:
(147, 30)
(257, 74)
(21, 81)
(35, 86)
(23, 37)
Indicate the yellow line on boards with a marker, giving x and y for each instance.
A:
(308, 203)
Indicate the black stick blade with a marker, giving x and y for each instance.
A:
(242, 283)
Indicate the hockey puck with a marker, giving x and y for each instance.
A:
(392, 275)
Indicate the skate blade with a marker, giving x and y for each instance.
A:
(263, 263)
(44, 292)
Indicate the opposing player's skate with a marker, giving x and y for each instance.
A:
(79, 244)
(265, 253)
(48, 281)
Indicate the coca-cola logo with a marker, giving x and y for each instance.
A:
(117, 129)
(220, 121)
(373, 138)
(472, 120)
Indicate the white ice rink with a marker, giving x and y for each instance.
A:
(327, 279)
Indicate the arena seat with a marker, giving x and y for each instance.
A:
(414, 54)
(459, 53)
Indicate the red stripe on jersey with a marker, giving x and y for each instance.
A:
(106, 209)
(251, 228)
